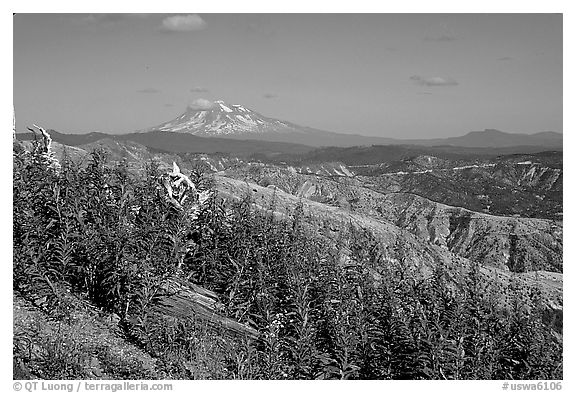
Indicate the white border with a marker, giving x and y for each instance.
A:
(298, 6)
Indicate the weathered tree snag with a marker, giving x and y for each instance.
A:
(180, 299)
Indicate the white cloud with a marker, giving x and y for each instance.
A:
(182, 23)
(148, 90)
(440, 38)
(201, 104)
(446, 34)
(103, 19)
(199, 89)
(433, 81)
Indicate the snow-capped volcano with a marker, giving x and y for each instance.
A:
(225, 120)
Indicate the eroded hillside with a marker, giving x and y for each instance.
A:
(514, 243)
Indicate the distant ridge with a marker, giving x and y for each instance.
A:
(227, 128)
(220, 119)
(179, 143)
(498, 139)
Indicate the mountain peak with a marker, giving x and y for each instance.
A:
(218, 118)
(223, 106)
(487, 132)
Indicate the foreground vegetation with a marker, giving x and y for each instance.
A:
(113, 238)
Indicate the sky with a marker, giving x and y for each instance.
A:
(389, 75)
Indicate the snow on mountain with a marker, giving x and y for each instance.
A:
(223, 119)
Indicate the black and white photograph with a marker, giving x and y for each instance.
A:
(287, 196)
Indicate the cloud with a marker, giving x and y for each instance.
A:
(270, 95)
(148, 90)
(201, 104)
(505, 58)
(182, 23)
(260, 25)
(97, 18)
(443, 34)
(434, 81)
(103, 19)
(199, 89)
(441, 38)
